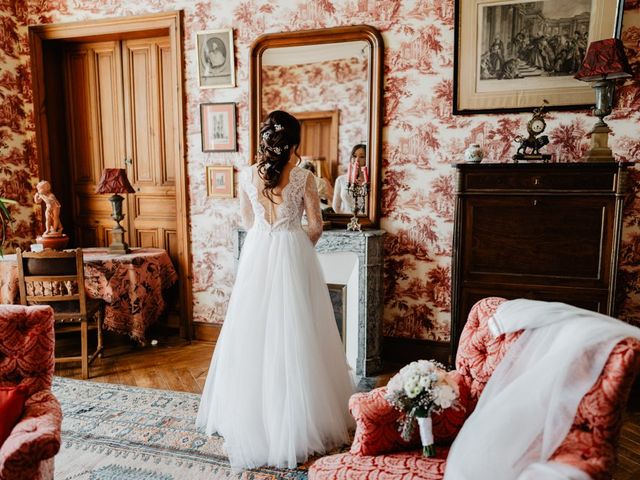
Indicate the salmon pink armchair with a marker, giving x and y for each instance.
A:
(379, 452)
(27, 359)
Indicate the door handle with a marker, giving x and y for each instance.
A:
(127, 161)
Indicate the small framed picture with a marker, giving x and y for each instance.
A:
(218, 122)
(216, 65)
(220, 181)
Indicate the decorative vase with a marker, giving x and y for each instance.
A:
(473, 153)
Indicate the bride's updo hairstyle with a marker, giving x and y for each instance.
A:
(279, 134)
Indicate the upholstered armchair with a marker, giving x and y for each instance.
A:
(379, 452)
(27, 359)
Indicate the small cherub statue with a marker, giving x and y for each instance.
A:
(52, 211)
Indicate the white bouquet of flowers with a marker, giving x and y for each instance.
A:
(418, 390)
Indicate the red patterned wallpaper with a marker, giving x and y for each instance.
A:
(421, 139)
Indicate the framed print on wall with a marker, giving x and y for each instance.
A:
(220, 181)
(216, 59)
(218, 127)
(511, 55)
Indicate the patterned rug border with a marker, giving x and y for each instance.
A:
(121, 386)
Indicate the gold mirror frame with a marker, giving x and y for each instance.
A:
(364, 33)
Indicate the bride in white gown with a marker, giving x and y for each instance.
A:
(279, 383)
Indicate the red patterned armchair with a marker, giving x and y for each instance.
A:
(379, 452)
(27, 359)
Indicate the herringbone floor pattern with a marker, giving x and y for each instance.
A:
(177, 365)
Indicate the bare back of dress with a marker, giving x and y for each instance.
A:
(299, 194)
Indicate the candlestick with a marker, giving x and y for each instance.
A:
(365, 174)
(354, 173)
(359, 192)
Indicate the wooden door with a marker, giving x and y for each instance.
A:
(150, 149)
(95, 132)
(69, 64)
(319, 138)
(120, 111)
(149, 127)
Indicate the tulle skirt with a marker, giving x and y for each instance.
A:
(279, 383)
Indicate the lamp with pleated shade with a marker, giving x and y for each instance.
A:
(604, 63)
(115, 181)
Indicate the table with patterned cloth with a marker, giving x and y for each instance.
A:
(131, 286)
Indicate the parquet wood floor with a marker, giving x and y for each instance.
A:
(177, 365)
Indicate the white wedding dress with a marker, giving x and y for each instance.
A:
(279, 383)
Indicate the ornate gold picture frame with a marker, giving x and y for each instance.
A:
(510, 55)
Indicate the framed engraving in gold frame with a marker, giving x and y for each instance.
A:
(511, 55)
(220, 181)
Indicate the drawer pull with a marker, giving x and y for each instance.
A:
(536, 181)
(535, 202)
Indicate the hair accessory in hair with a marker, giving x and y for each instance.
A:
(277, 150)
(266, 135)
(278, 127)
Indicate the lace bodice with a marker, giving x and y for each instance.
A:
(298, 195)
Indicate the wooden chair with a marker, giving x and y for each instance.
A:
(57, 279)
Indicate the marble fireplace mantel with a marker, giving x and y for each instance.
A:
(335, 249)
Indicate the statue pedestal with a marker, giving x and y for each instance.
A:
(54, 242)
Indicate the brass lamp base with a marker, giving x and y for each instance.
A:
(600, 151)
(118, 246)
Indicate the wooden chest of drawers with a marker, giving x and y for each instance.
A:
(541, 231)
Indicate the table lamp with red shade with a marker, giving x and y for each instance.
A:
(115, 181)
(604, 63)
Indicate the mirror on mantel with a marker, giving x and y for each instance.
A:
(331, 80)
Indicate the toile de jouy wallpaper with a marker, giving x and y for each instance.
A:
(331, 85)
(421, 139)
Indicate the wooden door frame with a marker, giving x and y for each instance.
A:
(161, 24)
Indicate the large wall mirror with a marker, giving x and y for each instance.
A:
(331, 80)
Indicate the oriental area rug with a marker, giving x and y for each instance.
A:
(116, 432)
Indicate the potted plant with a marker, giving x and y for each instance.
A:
(5, 219)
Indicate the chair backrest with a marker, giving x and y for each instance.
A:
(599, 416)
(26, 346)
(53, 278)
(479, 353)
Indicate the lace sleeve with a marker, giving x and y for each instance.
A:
(312, 207)
(246, 209)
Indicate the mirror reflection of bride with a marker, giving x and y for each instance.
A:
(342, 199)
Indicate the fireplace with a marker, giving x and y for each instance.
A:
(338, 295)
(352, 263)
